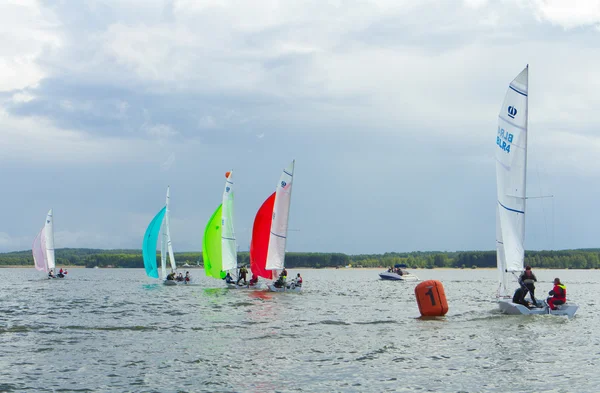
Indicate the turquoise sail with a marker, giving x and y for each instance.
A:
(149, 245)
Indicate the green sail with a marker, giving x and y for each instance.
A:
(211, 246)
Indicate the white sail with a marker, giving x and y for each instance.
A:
(511, 167)
(279, 222)
(228, 243)
(49, 234)
(163, 252)
(168, 230)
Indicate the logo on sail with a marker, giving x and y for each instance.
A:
(47, 221)
(227, 189)
(512, 112)
(283, 184)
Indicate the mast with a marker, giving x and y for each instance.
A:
(169, 244)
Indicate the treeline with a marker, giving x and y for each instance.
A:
(572, 259)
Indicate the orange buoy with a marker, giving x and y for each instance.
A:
(227, 174)
(431, 298)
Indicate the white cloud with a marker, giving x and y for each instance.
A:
(568, 14)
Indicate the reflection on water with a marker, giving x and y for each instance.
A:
(116, 330)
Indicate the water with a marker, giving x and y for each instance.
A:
(114, 330)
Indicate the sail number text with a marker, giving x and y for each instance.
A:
(504, 139)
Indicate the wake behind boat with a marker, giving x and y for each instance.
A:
(511, 171)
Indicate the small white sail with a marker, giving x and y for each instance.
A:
(49, 234)
(511, 166)
(279, 222)
(168, 230)
(163, 252)
(228, 243)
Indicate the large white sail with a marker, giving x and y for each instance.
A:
(168, 230)
(511, 167)
(279, 222)
(228, 243)
(49, 235)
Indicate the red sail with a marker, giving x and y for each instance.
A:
(260, 239)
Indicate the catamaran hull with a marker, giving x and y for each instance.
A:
(273, 288)
(510, 308)
(397, 277)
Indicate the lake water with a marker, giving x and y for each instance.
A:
(115, 330)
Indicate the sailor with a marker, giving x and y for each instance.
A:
(187, 276)
(253, 280)
(228, 279)
(558, 294)
(180, 277)
(298, 280)
(60, 271)
(243, 274)
(284, 274)
(281, 280)
(171, 276)
(519, 297)
(51, 274)
(527, 280)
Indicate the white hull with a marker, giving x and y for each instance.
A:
(397, 277)
(287, 288)
(235, 286)
(508, 307)
(175, 282)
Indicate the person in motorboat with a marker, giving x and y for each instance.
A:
(243, 275)
(527, 280)
(228, 279)
(519, 297)
(558, 294)
(187, 277)
(254, 280)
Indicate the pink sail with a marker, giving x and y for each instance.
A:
(39, 251)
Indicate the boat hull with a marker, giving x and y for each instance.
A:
(510, 308)
(397, 277)
(174, 282)
(286, 288)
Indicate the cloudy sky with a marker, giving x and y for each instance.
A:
(388, 106)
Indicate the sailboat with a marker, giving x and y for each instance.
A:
(43, 248)
(160, 223)
(219, 247)
(269, 234)
(511, 171)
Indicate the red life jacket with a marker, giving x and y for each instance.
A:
(560, 292)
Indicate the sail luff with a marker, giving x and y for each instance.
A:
(228, 242)
(163, 252)
(279, 223)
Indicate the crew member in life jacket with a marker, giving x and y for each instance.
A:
(228, 279)
(242, 275)
(527, 280)
(299, 280)
(253, 280)
(558, 293)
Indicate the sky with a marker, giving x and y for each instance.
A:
(389, 108)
